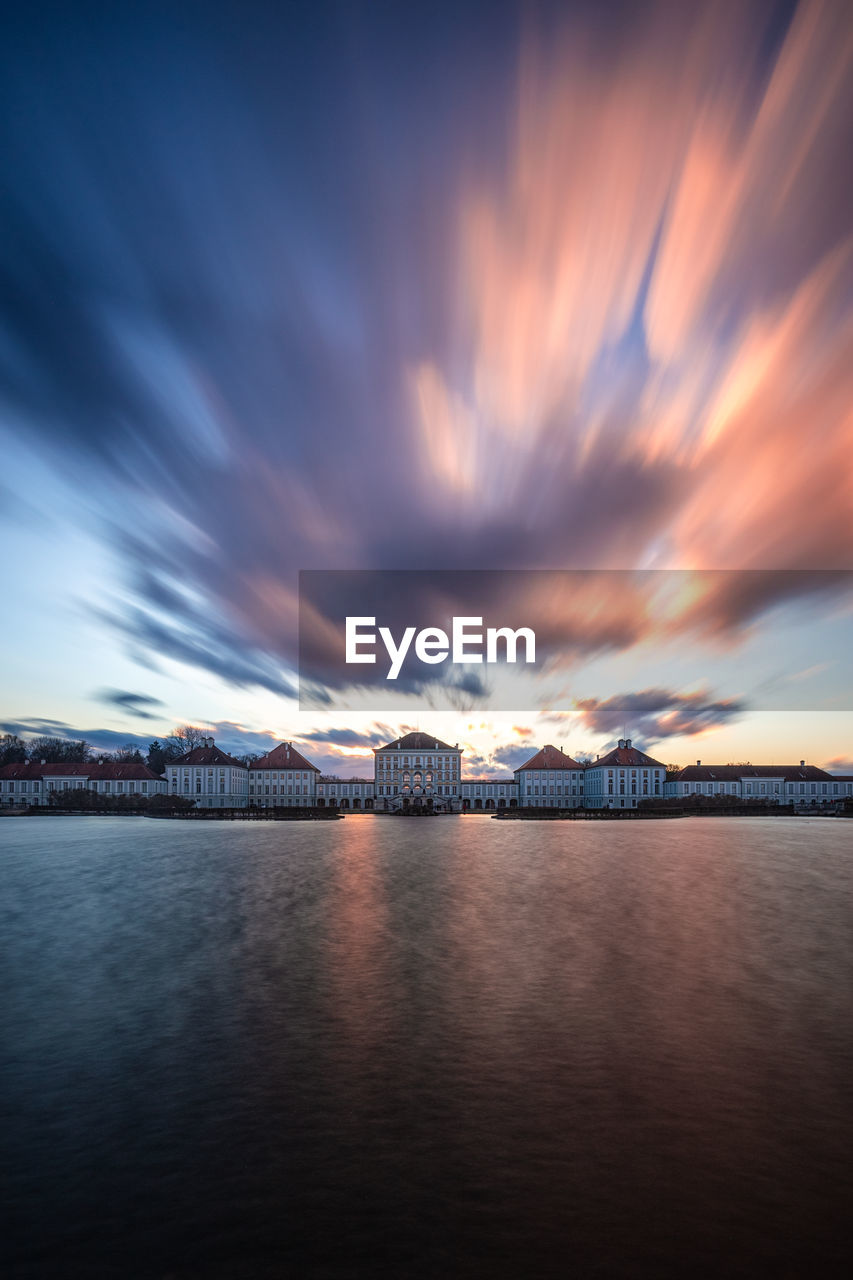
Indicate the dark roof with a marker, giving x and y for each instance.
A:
(550, 758)
(98, 771)
(626, 758)
(732, 772)
(418, 742)
(205, 755)
(284, 756)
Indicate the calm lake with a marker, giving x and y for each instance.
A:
(456, 1047)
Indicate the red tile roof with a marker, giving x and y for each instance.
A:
(550, 758)
(284, 756)
(97, 771)
(626, 757)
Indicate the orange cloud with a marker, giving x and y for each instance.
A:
(663, 187)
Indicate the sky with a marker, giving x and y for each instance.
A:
(428, 286)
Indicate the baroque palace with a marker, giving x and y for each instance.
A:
(420, 771)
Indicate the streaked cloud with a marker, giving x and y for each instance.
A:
(653, 714)
(341, 736)
(592, 309)
(839, 765)
(99, 739)
(137, 704)
(509, 757)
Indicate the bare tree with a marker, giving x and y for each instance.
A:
(128, 754)
(12, 749)
(59, 750)
(186, 737)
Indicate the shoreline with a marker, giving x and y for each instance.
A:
(508, 815)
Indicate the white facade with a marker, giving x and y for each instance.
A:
(209, 777)
(275, 788)
(283, 778)
(345, 793)
(415, 770)
(550, 780)
(622, 778)
(488, 793)
(35, 783)
(798, 785)
(551, 789)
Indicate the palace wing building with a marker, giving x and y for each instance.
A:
(788, 784)
(550, 780)
(419, 771)
(283, 778)
(622, 778)
(209, 777)
(34, 783)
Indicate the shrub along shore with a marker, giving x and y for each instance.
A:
(91, 802)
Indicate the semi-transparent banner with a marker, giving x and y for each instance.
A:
(508, 640)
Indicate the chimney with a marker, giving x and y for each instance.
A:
(627, 742)
(802, 764)
(698, 763)
(621, 743)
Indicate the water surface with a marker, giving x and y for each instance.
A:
(454, 1047)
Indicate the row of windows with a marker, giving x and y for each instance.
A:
(78, 784)
(440, 775)
(388, 790)
(561, 789)
(297, 789)
(552, 775)
(655, 773)
(764, 788)
(406, 762)
(284, 775)
(198, 773)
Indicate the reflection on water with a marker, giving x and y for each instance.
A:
(461, 1047)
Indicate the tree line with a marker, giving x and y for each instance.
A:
(53, 750)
